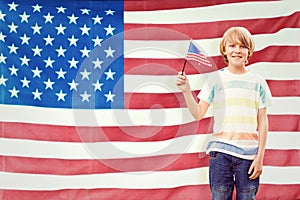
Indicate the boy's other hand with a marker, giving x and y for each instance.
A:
(182, 82)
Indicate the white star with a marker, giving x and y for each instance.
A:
(48, 84)
(109, 30)
(109, 52)
(97, 41)
(85, 74)
(109, 12)
(97, 19)
(3, 80)
(61, 96)
(85, 97)
(85, 30)
(13, 70)
(14, 93)
(60, 52)
(25, 39)
(60, 29)
(73, 63)
(13, 6)
(72, 19)
(2, 37)
(2, 16)
(85, 52)
(37, 51)
(48, 18)
(109, 74)
(73, 85)
(97, 86)
(85, 11)
(49, 40)
(24, 60)
(49, 62)
(109, 97)
(37, 8)
(24, 17)
(97, 63)
(36, 72)
(13, 49)
(61, 9)
(2, 58)
(60, 74)
(25, 82)
(37, 94)
(13, 28)
(36, 29)
(73, 41)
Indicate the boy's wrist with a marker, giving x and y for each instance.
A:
(187, 93)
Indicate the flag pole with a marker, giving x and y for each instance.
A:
(183, 67)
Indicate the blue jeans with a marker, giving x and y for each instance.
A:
(225, 171)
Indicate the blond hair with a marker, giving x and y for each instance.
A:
(237, 35)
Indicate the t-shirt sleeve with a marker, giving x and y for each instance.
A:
(265, 95)
(207, 92)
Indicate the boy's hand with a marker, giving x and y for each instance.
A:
(255, 169)
(182, 82)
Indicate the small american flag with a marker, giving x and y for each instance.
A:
(195, 54)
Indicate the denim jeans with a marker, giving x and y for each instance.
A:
(225, 171)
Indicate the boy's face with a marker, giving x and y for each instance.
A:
(237, 54)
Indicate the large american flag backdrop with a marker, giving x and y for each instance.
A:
(89, 107)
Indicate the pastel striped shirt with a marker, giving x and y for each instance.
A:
(236, 99)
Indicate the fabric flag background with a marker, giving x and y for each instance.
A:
(89, 107)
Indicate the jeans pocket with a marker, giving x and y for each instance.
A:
(213, 155)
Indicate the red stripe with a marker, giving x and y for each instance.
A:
(58, 166)
(208, 29)
(191, 192)
(171, 4)
(157, 163)
(174, 100)
(102, 134)
(284, 88)
(200, 59)
(142, 66)
(289, 123)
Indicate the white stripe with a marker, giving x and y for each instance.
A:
(278, 140)
(101, 117)
(160, 84)
(111, 150)
(128, 180)
(277, 70)
(102, 150)
(247, 10)
(166, 84)
(178, 48)
(122, 117)
(138, 180)
(284, 105)
(280, 175)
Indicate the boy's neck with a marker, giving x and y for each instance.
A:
(237, 69)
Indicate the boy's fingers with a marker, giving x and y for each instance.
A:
(255, 174)
(250, 169)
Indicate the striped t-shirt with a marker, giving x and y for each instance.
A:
(236, 99)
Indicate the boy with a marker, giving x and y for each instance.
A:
(239, 99)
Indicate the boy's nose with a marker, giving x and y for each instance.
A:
(237, 49)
